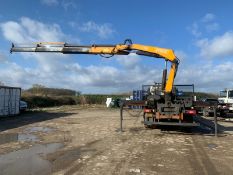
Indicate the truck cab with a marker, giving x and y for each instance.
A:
(226, 97)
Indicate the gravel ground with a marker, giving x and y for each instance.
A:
(75, 140)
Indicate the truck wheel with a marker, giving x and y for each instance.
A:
(147, 126)
(211, 114)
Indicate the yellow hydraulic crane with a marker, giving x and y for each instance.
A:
(119, 49)
(163, 104)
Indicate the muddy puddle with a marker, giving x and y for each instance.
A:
(28, 135)
(38, 129)
(28, 161)
(15, 137)
(212, 146)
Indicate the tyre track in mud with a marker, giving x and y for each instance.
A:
(116, 147)
(204, 157)
(199, 160)
(115, 165)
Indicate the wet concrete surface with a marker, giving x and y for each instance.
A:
(28, 161)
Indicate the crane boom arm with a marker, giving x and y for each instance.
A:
(110, 50)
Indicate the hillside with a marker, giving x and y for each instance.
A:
(41, 96)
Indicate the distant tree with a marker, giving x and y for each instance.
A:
(38, 86)
(41, 90)
(203, 95)
(78, 93)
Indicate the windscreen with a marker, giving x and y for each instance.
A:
(179, 90)
(223, 94)
(230, 94)
(151, 90)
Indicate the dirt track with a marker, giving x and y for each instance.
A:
(87, 141)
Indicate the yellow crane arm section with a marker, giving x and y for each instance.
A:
(119, 49)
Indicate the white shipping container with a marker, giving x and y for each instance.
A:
(9, 100)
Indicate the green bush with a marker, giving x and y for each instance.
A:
(41, 96)
(40, 90)
(97, 99)
(203, 95)
(49, 101)
(41, 101)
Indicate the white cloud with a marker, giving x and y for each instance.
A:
(208, 17)
(58, 71)
(207, 77)
(181, 55)
(68, 4)
(108, 79)
(12, 31)
(65, 4)
(219, 46)
(92, 79)
(103, 30)
(128, 61)
(212, 27)
(205, 24)
(50, 2)
(28, 30)
(194, 29)
(3, 58)
(208, 21)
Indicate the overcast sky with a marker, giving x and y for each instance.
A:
(200, 32)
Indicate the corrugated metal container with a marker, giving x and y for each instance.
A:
(9, 100)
